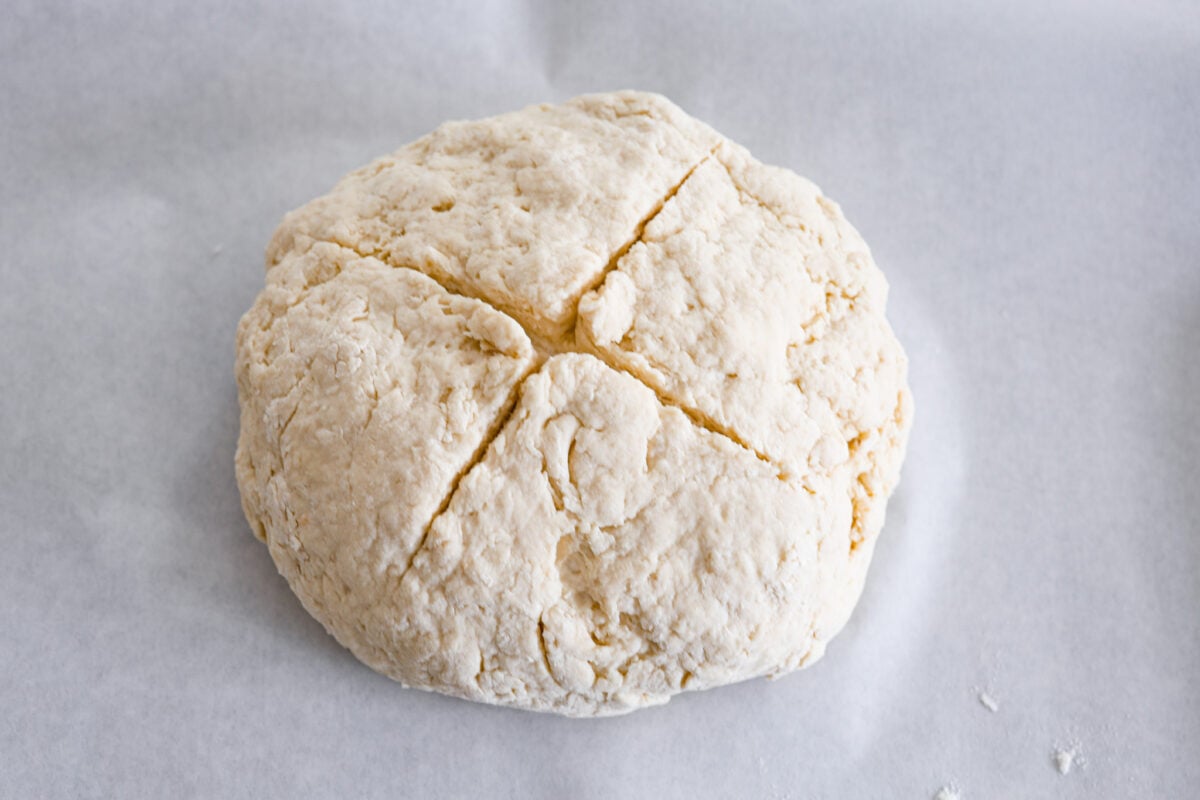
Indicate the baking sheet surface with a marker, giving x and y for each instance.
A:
(1028, 175)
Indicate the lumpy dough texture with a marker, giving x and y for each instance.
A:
(365, 390)
(524, 209)
(751, 302)
(607, 553)
(572, 409)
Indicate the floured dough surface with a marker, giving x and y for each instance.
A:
(607, 553)
(572, 409)
(524, 209)
(750, 301)
(365, 391)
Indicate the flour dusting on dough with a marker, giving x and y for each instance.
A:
(572, 409)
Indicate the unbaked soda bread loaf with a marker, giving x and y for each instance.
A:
(572, 409)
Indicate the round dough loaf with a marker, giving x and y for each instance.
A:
(572, 409)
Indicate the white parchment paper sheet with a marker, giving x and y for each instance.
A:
(1028, 174)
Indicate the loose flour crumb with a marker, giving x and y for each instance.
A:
(1067, 758)
(948, 792)
(988, 702)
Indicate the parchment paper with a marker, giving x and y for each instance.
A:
(1028, 174)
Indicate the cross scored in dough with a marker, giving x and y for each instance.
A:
(572, 409)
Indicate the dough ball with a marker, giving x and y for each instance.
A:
(572, 409)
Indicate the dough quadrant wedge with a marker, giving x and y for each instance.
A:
(365, 392)
(607, 553)
(523, 210)
(712, 410)
(750, 301)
